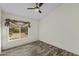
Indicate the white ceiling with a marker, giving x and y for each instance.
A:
(20, 9)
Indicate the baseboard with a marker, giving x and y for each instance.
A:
(18, 45)
(60, 47)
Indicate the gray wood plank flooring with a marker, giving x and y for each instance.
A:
(37, 48)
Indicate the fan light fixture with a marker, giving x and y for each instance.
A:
(37, 9)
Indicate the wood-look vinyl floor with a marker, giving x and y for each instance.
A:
(37, 48)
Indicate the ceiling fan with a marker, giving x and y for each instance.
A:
(37, 7)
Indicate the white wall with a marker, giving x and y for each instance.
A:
(0, 30)
(32, 32)
(61, 28)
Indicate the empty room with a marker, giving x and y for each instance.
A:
(39, 29)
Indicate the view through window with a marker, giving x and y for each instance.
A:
(18, 31)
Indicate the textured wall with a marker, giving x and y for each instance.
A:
(32, 32)
(61, 28)
(0, 30)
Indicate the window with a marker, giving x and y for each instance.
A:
(13, 31)
(17, 29)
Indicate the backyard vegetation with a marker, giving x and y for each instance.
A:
(17, 31)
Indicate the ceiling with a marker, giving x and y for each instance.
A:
(20, 9)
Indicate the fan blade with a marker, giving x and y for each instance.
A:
(40, 4)
(30, 8)
(39, 11)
